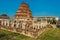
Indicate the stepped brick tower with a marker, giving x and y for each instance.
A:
(24, 13)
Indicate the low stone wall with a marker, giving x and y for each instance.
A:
(33, 34)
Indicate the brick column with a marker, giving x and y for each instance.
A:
(2, 22)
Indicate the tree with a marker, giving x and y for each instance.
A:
(4, 15)
(53, 21)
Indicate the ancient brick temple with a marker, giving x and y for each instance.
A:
(24, 23)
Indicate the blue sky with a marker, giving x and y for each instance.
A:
(38, 7)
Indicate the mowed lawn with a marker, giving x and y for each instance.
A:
(49, 34)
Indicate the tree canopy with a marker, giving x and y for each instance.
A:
(4, 15)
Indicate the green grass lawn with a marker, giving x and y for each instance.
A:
(49, 34)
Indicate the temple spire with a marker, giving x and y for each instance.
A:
(23, 11)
